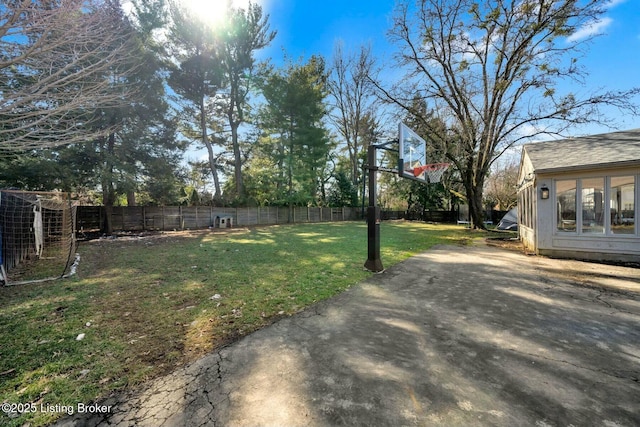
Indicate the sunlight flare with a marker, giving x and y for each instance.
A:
(214, 12)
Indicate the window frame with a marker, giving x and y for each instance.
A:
(556, 219)
(636, 210)
(607, 232)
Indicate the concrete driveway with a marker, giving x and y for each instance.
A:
(457, 336)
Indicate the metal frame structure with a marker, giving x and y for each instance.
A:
(374, 262)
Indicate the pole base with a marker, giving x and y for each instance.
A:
(374, 265)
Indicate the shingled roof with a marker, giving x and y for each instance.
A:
(607, 149)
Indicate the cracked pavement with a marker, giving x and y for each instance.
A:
(470, 335)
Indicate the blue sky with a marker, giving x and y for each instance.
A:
(305, 28)
(309, 27)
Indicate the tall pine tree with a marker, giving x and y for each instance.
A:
(295, 140)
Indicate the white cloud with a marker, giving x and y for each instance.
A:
(590, 29)
(612, 3)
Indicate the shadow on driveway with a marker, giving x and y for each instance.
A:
(463, 336)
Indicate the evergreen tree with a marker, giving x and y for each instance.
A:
(198, 79)
(295, 139)
(137, 153)
(143, 131)
(56, 64)
(343, 193)
(245, 31)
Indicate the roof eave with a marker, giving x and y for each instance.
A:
(588, 167)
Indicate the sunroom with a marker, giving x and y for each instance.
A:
(578, 197)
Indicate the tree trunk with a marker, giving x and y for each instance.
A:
(131, 198)
(290, 174)
(234, 123)
(476, 208)
(108, 192)
(216, 183)
(205, 140)
(237, 157)
(107, 226)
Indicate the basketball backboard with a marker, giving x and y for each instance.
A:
(412, 153)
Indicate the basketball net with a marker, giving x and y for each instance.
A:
(433, 170)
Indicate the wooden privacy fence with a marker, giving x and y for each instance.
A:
(167, 218)
(440, 216)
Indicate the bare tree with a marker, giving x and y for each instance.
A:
(353, 103)
(491, 70)
(500, 185)
(57, 62)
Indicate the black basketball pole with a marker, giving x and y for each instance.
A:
(374, 263)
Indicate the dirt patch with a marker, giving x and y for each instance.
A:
(509, 243)
(123, 236)
(601, 275)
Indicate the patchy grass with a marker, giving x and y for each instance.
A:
(145, 306)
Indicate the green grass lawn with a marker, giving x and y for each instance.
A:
(146, 306)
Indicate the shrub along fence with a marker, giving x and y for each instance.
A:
(168, 218)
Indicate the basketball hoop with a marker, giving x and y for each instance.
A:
(433, 170)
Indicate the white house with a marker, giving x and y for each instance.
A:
(578, 197)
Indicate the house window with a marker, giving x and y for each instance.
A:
(622, 204)
(526, 199)
(531, 197)
(566, 198)
(597, 205)
(592, 205)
